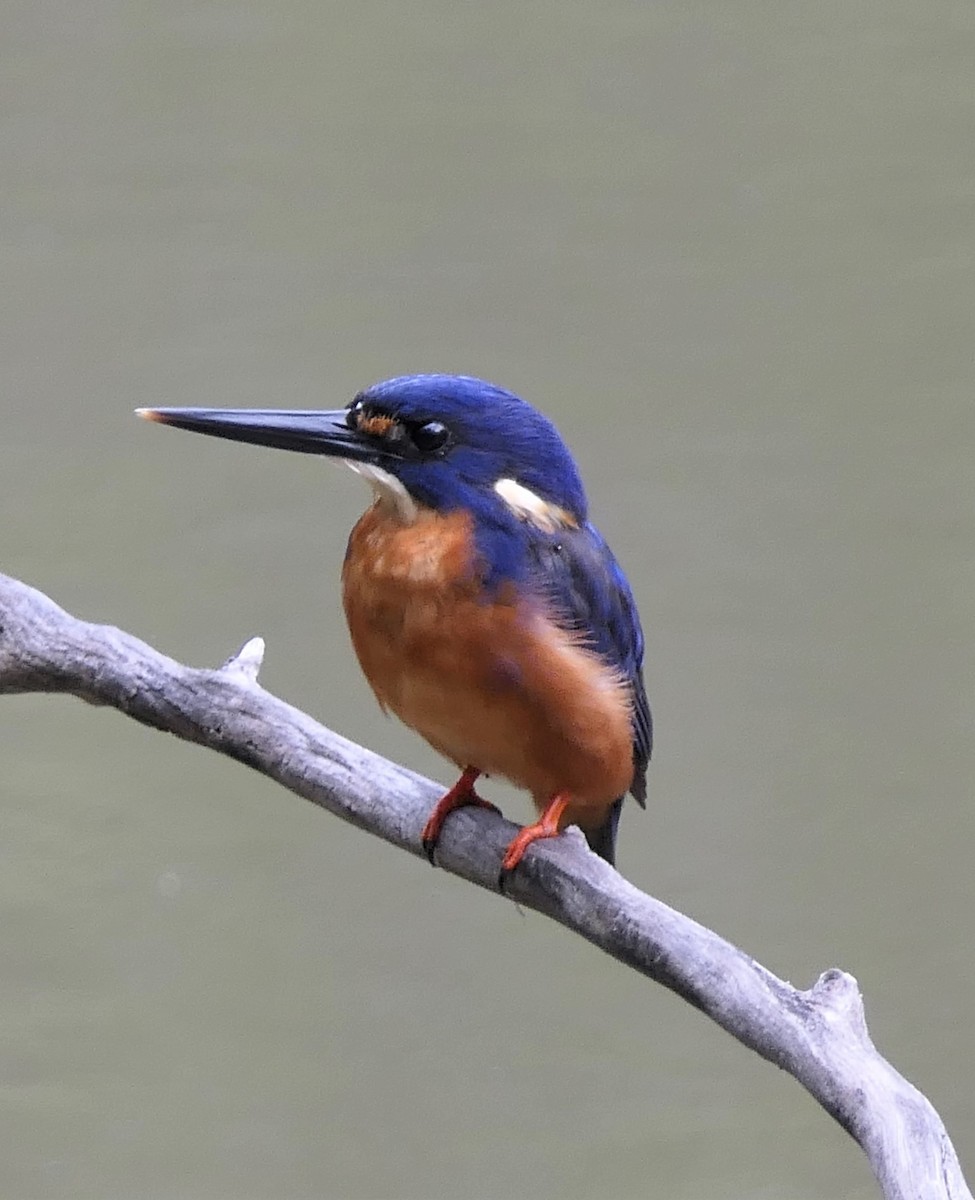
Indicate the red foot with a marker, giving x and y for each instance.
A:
(461, 795)
(546, 826)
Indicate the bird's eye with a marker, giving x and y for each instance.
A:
(430, 436)
(352, 414)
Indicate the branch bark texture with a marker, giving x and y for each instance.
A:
(819, 1036)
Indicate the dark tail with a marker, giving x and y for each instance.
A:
(602, 841)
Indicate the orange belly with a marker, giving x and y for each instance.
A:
(494, 685)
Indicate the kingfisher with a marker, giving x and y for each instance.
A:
(486, 610)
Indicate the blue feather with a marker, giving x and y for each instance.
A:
(590, 595)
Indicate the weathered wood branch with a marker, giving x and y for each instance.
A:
(819, 1036)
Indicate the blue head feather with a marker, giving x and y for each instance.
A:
(494, 435)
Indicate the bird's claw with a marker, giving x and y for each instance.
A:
(430, 837)
(547, 826)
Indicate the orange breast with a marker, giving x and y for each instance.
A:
(490, 684)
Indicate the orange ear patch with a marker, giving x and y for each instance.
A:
(378, 424)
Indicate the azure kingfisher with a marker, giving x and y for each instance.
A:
(485, 609)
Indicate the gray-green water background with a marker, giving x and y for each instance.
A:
(729, 248)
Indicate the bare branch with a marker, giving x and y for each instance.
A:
(819, 1036)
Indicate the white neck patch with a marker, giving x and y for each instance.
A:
(387, 489)
(527, 506)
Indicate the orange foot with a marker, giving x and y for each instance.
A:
(461, 795)
(547, 826)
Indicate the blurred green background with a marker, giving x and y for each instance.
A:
(728, 247)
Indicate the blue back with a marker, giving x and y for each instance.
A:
(589, 594)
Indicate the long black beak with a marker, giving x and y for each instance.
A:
(304, 430)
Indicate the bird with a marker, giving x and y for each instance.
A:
(486, 611)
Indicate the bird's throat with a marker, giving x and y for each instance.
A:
(388, 491)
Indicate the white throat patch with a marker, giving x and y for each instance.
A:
(387, 489)
(526, 505)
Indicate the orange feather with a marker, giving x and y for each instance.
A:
(490, 683)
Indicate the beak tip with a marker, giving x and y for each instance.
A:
(148, 414)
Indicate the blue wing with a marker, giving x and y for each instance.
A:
(576, 571)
